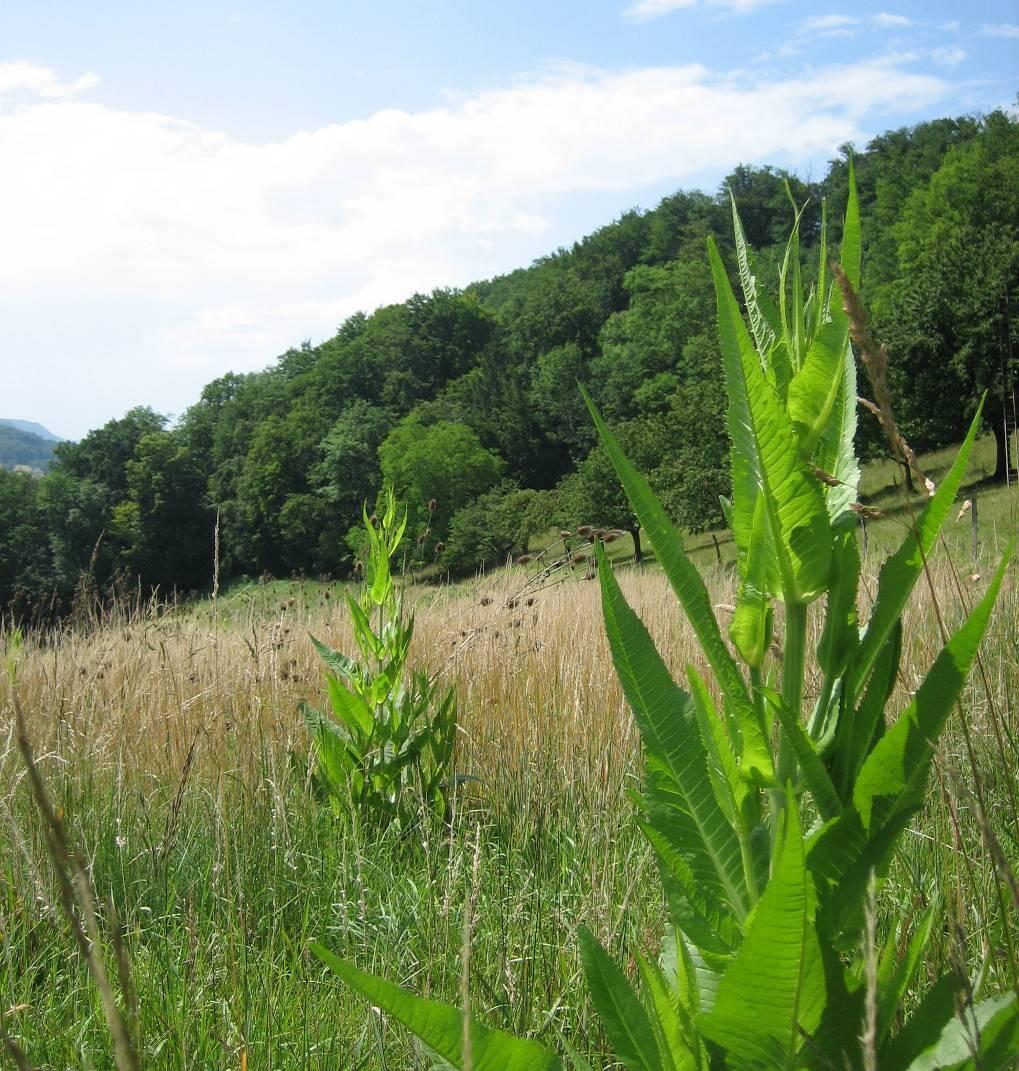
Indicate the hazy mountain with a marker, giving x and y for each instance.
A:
(20, 447)
(32, 428)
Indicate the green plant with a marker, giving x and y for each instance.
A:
(387, 750)
(773, 824)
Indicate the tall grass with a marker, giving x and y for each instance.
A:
(173, 743)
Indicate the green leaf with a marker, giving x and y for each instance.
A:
(895, 975)
(766, 460)
(811, 767)
(671, 1022)
(773, 994)
(763, 317)
(696, 907)
(983, 1038)
(895, 773)
(350, 708)
(693, 595)
(622, 1015)
(751, 623)
(337, 662)
(441, 1027)
(840, 636)
(667, 721)
(851, 254)
(901, 570)
(370, 644)
(923, 1028)
(858, 730)
(816, 386)
(730, 788)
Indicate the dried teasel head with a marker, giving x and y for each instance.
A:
(565, 534)
(584, 530)
(525, 559)
(431, 505)
(373, 520)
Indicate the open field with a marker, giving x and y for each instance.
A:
(174, 745)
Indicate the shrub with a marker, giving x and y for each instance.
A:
(495, 525)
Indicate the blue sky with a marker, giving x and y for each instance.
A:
(188, 189)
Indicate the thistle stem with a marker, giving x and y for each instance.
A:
(793, 668)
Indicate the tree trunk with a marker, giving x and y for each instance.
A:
(1001, 458)
(638, 555)
(908, 473)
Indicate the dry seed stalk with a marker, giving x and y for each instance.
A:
(875, 362)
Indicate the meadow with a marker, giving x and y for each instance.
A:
(171, 740)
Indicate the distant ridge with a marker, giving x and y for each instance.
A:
(21, 448)
(32, 428)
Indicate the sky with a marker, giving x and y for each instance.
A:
(189, 189)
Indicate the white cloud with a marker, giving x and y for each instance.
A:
(27, 77)
(142, 255)
(1000, 29)
(642, 10)
(949, 57)
(829, 25)
(887, 21)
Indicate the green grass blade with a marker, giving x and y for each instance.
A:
(622, 1015)
(667, 721)
(773, 994)
(441, 1026)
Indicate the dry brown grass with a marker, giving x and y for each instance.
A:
(537, 688)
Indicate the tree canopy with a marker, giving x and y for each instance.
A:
(471, 397)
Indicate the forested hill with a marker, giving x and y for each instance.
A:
(21, 447)
(470, 398)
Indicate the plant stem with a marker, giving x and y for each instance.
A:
(793, 669)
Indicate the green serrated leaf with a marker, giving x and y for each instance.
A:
(895, 773)
(622, 1015)
(667, 721)
(811, 767)
(773, 994)
(441, 1026)
(900, 572)
(689, 587)
(670, 1020)
(983, 1038)
(766, 460)
(750, 630)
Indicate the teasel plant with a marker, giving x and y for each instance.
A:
(383, 750)
(774, 817)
